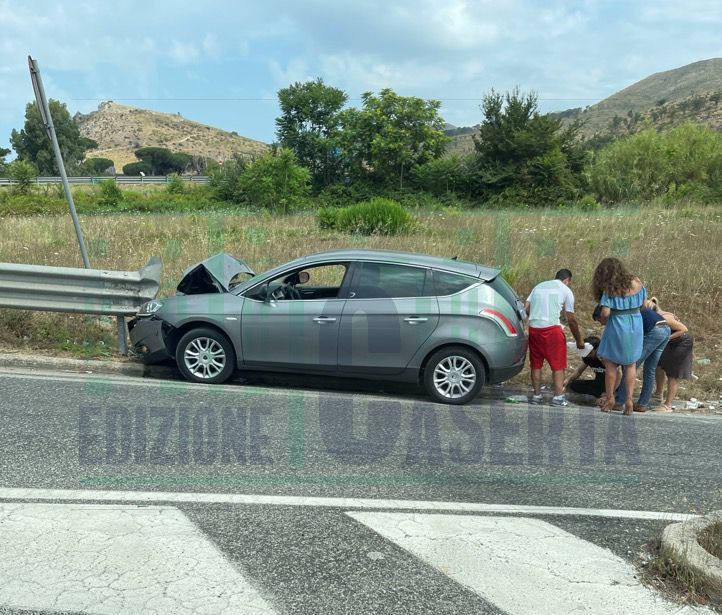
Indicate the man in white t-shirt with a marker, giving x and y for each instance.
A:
(546, 336)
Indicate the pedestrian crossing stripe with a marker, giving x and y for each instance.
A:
(107, 559)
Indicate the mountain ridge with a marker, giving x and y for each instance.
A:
(119, 130)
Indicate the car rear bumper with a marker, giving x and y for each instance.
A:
(513, 359)
(147, 339)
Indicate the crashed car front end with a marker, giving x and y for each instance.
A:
(151, 335)
(148, 334)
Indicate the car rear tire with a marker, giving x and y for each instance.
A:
(205, 355)
(454, 375)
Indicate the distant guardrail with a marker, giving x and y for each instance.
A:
(118, 179)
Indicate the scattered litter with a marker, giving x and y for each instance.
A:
(517, 399)
(375, 555)
(703, 361)
(694, 404)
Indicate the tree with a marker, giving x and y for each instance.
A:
(3, 165)
(33, 145)
(517, 147)
(275, 181)
(161, 161)
(391, 134)
(309, 125)
(96, 166)
(136, 168)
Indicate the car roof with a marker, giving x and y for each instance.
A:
(408, 258)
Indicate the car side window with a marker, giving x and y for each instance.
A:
(314, 282)
(446, 283)
(382, 280)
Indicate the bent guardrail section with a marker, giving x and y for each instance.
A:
(80, 291)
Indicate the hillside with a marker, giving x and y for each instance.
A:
(690, 93)
(119, 130)
(665, 99)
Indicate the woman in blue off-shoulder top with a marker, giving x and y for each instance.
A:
(620, 294)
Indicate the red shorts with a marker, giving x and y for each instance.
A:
(550, 344)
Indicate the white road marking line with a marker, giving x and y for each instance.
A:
(197, 387)
(10, 493)
(115, 559)
(523, 566)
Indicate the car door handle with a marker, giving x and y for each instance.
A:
(324, 319)
(412, 320)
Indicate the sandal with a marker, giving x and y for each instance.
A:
(638, 408)
(663, 408)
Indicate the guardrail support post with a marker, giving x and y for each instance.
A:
(122, 336)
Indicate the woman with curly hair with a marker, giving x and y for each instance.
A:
(620, 294)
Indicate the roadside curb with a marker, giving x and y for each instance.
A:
(111, 366)
(680, 544)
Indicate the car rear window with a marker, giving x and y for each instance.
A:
(501, 286)
(447, 283)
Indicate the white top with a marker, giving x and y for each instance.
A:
(546, 302)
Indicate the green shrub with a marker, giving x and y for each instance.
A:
(225, 180)
(276, 182)
(23, 174)
(685, 161)
(327, 217)
(110, 195)
(175, 185)
(378, 216)
(342, 195)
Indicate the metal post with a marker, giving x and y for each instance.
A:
(122, 340)
(47, 119)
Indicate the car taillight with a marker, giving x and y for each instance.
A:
(506, 325)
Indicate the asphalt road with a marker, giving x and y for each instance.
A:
(82, 432)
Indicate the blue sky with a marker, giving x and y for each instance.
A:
(221, 63)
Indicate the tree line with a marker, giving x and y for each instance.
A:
(393, 144)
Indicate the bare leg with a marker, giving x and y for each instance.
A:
(558, 380)
(610, 380)
(630, 375)
(536, 381)
(659, 377)
(672, 387)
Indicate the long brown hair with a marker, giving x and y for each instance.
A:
(611, 277)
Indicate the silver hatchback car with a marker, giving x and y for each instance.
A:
(447, 324)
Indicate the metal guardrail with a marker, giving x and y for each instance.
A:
(118, 179)
(80, 291)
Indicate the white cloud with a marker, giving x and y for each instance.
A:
(295, 70)
(184, 53)
(211, 46)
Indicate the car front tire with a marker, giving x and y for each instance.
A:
(205, 355)
(454, 375)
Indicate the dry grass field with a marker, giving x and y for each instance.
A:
(675, 251)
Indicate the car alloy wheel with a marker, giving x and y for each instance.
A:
(454, 377)
(204, 358)
(205, 355)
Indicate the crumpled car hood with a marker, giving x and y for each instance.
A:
(212, 275)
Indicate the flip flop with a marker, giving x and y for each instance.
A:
(663, 408)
